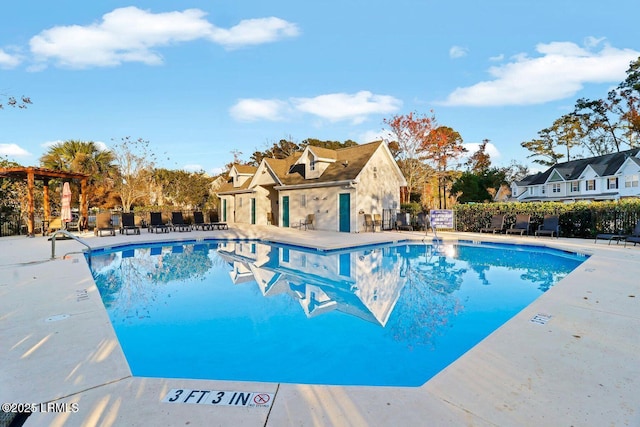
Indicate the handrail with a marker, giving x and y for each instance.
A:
(68, 234)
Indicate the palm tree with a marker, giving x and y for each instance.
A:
(88, 158)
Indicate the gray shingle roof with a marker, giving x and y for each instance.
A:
(605, 165)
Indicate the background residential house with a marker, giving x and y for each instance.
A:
(609, 177)
(337, 187)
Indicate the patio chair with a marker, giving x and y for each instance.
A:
(177, 222)
(377, 222)
(368, 223)
(423, 221)
(550, 226)
(156, 225)
(634, 237)
(103, 223)
(198, 221)
(128, 223)
(402, 223)
(308, 222)
(495, 226)
(521, 226)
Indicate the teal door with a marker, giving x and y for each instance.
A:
(285, 211)
(345, 212)
(224, 210)
(253, 211)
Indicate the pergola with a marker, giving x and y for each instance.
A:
(31, 174)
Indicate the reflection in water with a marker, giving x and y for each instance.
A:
(417, 283)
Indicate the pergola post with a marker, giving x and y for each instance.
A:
(30, 218)
(45, 194)
(84, 200)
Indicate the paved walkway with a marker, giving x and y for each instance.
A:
(581, 368)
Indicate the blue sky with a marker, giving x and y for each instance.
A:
(199, 79)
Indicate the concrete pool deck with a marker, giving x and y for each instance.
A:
(580, 368)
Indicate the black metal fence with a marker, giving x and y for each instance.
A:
(11, 224)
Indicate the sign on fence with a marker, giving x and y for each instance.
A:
(442, 218)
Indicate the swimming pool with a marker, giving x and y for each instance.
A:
(387, 315)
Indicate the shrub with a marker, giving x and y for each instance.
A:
(580, 219)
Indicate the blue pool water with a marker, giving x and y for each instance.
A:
(391, 315)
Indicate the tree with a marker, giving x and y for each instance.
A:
(480, 160)
(515, 172)
(182, 188)
(411, 131)
(136, 163)
(625, 101)
(279, 150)
(332, 145)
(566, 131)
(543, 148)
(598, 126)
(470, 188)
(442, 145)
(88, 158)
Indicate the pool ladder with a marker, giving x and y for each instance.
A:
(68, 234)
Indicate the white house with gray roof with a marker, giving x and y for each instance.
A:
(610, 177)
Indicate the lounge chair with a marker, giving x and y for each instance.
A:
(156, 225)
(424, 222)
(177, 222)
(198, 221)
(618, 236)
(634, 237)
(218, 225)
(521, 226)
(128, 223)
(611, 237)
(402, 223)
(368, 223)
(308, 222)
(103, 223)
(377, 222)
(495, 226)
(550, 226)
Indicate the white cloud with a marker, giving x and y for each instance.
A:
(133, 35)
(254, 31)
(490, 149)
(497, 58)
(373, 135)
(333, 107)
(343, 106)
(101, 146)
(247, 110)
(560, 71)
(458, 52)
(8, 60)
(13, 150)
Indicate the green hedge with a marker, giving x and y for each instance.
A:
(580, 219)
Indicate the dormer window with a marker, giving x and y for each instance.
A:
(312, 164)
